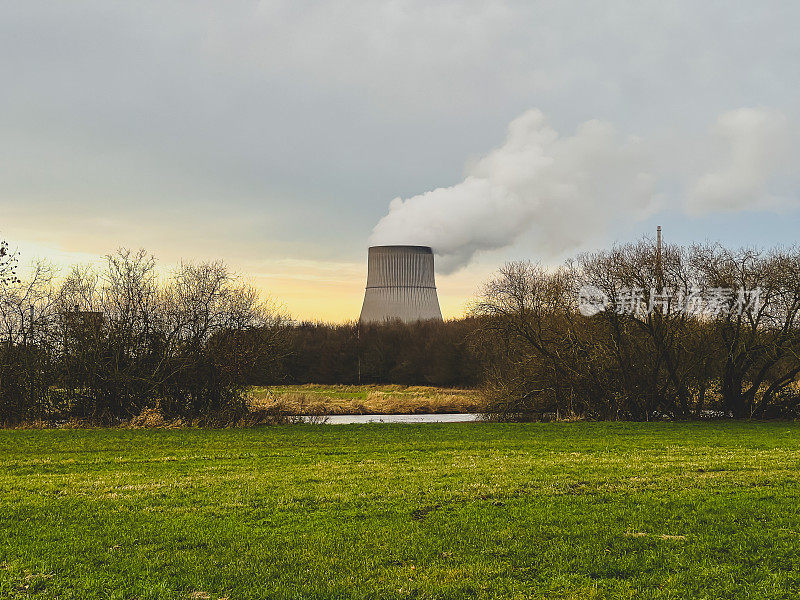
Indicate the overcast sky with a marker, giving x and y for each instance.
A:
(275, 135)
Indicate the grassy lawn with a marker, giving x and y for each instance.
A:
(365, 399)
(566, 510)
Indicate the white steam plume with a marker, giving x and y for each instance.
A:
(559, 188)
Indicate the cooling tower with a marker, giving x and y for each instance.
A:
(400, 285)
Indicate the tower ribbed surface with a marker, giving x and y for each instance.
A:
(400, 285)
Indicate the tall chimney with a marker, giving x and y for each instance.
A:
(400, 285)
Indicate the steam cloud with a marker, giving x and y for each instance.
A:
(559, 188)
(567, 191)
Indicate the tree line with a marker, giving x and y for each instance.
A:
(423, 353)
(637, 332)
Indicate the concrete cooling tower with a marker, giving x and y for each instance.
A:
(400, 285)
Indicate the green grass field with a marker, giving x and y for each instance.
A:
(564, 510)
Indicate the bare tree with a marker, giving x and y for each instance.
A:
(8, 265)
(659, 346)
(543, 355)
(27, 345)
(756, 332)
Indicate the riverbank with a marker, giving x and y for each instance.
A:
(364, 399)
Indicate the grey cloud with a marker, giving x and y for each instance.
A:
(755, 146)
(307, 118)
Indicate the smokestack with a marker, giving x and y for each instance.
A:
(400, 285)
